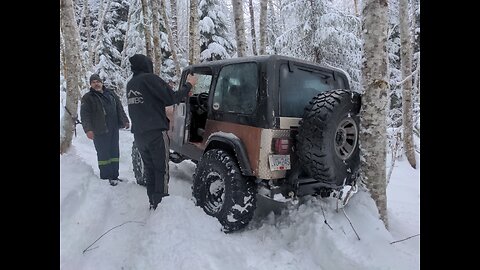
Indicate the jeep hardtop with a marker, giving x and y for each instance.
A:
(273, 125)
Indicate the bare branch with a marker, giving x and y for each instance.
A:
(350, 223)
(404, 239)
(107, 232)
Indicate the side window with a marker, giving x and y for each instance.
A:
(203, 83)
(236, 89)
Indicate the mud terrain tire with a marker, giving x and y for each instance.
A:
(138, 166)
(221, 190)
(327, 140)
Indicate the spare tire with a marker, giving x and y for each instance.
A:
(327, 140)
(138, 169)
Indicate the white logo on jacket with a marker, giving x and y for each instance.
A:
(134, 97)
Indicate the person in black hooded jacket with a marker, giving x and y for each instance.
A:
(148, 95)
(102, 116)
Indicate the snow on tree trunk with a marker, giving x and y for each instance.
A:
(263, 26)
(173, 12)
(406, 62)
(173, 48)
(157, 52)
(146, 29)
(71, 39)
(100, 31)
(88, 31)
(194, 43)
(239, 27)
(373, 113)
(125, 42)
(252, 31)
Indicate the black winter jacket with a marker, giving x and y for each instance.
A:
(92, 112)
(148, 95)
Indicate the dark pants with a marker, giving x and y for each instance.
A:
(107, 154)
(153, 147)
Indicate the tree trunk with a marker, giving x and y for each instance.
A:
(406, 62)
(146, 29)
(88, 30)
(173, 48)
(157, 51)
(125, 42)
(373, 113)
(355, 3)
(193, 41)
(263, 26)
(239, 27)
(72, 70)
(252, 31)
(100, 32)
(174, 18)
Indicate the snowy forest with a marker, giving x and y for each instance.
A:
(98, 36)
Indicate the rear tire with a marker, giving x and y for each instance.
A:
(222, 191)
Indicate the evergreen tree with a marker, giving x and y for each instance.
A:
(215, 43)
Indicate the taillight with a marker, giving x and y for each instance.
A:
(281, 146)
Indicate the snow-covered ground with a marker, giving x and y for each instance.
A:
(179, 235)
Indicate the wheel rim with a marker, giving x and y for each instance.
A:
(346, 138)
(215, 192)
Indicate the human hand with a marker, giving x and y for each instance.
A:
(90, 135)
(192, 79)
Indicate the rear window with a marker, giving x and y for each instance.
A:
(298, 85)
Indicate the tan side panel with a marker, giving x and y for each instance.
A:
(250, 137)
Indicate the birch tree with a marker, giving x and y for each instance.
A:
(263, 26)
(374, 100)
(71, 40)
(193, 43)
(173, 48)
(146, 29)
(252, 25)
(406, 62)
(174, 21)
(157, 54)
(239, 27)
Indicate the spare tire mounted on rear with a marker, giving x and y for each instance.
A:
(327, 140)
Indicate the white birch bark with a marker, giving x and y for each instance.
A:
(406, 63)
(239, 27)
(173, 48)
(373, 113)
(157, 51)
(263, 26)
(194, 37)
(71, 39)
(252, 25)
(146, 29)
(174, 18)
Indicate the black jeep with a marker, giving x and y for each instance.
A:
(269, 125)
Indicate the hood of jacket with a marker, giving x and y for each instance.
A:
(141, 64)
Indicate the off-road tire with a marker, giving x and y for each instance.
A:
(138, 168)
(327, 140)
(221, 190)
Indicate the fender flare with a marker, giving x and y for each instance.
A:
(237, 146)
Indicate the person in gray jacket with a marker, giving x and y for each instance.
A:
(148, 95)
(102, 116)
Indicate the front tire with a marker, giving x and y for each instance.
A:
(138, 168)
(222, 191)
